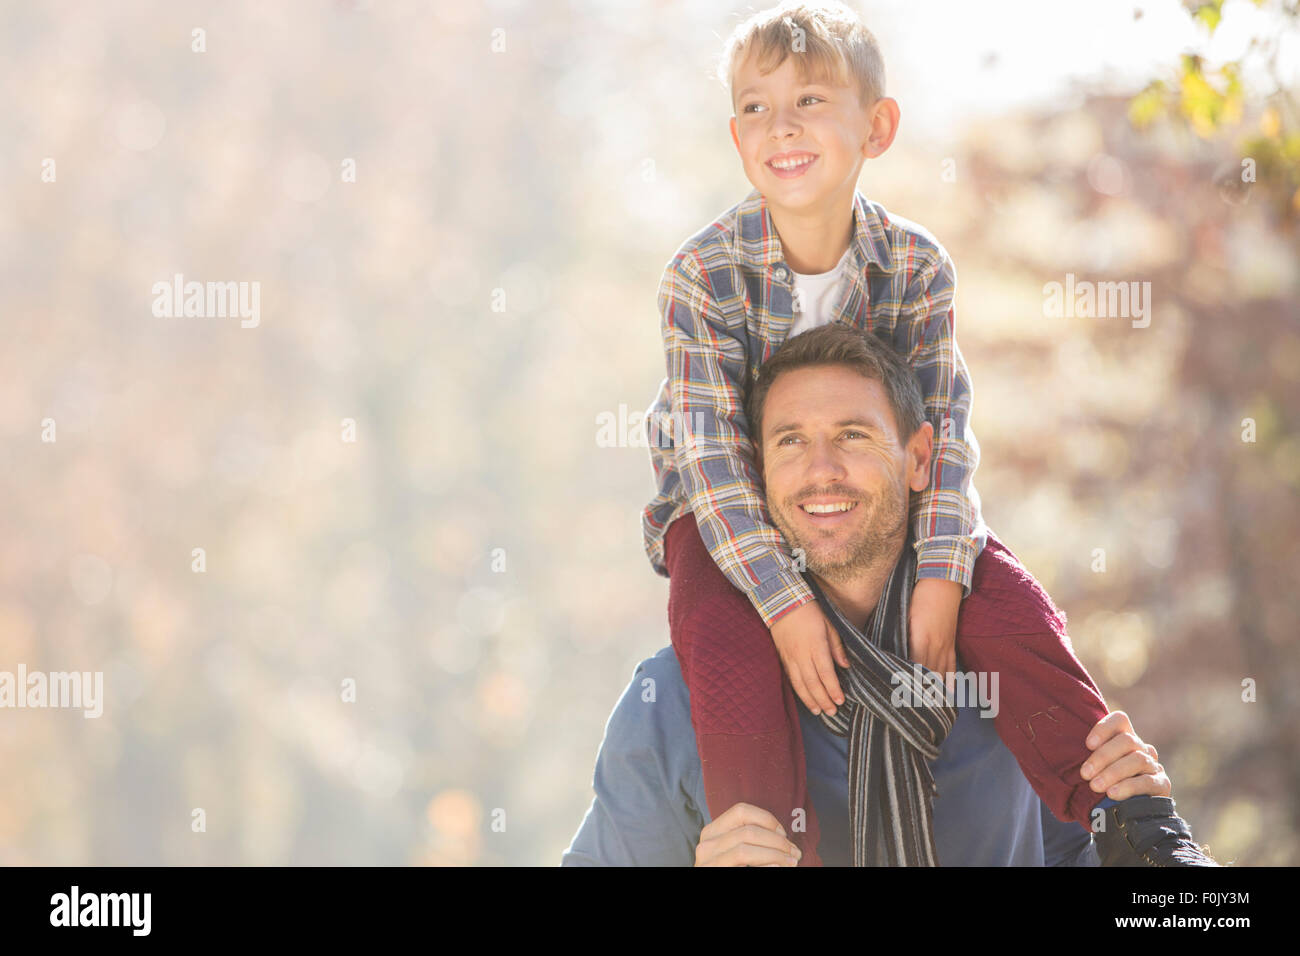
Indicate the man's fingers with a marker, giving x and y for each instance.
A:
(1109, 752)
(739, 815)
(1153, 785)
(1148, 784)
(750, 846)
(748, 855)
(1124, 777)
(1127, 766)
(1113, 723)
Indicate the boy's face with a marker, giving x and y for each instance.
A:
(821, 128)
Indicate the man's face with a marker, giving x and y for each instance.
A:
(821, 127)
(837, 476)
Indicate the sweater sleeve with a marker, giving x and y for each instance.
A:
(946, 515)
(706, 359)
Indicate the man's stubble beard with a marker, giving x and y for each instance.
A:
(876, 541)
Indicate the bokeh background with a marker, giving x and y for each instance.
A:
(482, 294)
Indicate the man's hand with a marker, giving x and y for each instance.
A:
(745, 835)
(1122, 765)
(932, 624)
(805, 641)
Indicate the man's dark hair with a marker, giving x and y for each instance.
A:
(868, 354)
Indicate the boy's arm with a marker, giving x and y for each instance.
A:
(706, 359)
(947, 513)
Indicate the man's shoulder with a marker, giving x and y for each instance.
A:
(653, 702)
(661, 666)
(650, 727)
(647, 778)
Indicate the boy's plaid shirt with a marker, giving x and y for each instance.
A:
(726, 303)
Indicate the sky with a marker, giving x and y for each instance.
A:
(997, 55)
(959, 58)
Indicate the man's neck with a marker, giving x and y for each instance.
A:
(814, 239)
(857, 597)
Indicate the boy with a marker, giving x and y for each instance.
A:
(804, 249)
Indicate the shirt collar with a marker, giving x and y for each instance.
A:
(758, 245)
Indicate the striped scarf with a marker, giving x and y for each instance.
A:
(891, 788)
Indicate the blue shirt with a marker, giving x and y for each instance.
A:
(650, 806)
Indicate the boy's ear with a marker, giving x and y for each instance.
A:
(735, 137)
(882, 127)
(918, 452)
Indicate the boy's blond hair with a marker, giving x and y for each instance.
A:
(832, 45)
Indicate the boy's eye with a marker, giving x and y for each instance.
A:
(755, 107)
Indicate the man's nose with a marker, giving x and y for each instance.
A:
(825, 461)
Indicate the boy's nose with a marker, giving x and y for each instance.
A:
(784, 124)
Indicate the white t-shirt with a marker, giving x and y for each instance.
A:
(818, 295)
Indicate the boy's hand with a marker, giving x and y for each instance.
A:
(805, 641)
(932, 624)
(1122, 765)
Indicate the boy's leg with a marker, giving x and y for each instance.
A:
(1047, 703)
(1046, 700)
(743, 708)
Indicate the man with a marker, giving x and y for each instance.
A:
(923, 781)
(650, 808)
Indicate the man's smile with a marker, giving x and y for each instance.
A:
(827, 510)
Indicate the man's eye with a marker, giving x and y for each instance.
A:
(786, 439)
(855, 434)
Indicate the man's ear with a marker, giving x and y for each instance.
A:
(918, 452)
(883, 120)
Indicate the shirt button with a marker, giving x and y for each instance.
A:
(780, 274)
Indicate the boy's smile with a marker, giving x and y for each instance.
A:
(793, 164)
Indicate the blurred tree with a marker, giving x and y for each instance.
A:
(1211, 101)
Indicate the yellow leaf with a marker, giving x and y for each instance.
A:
(1270, 124)
(1209, 14)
